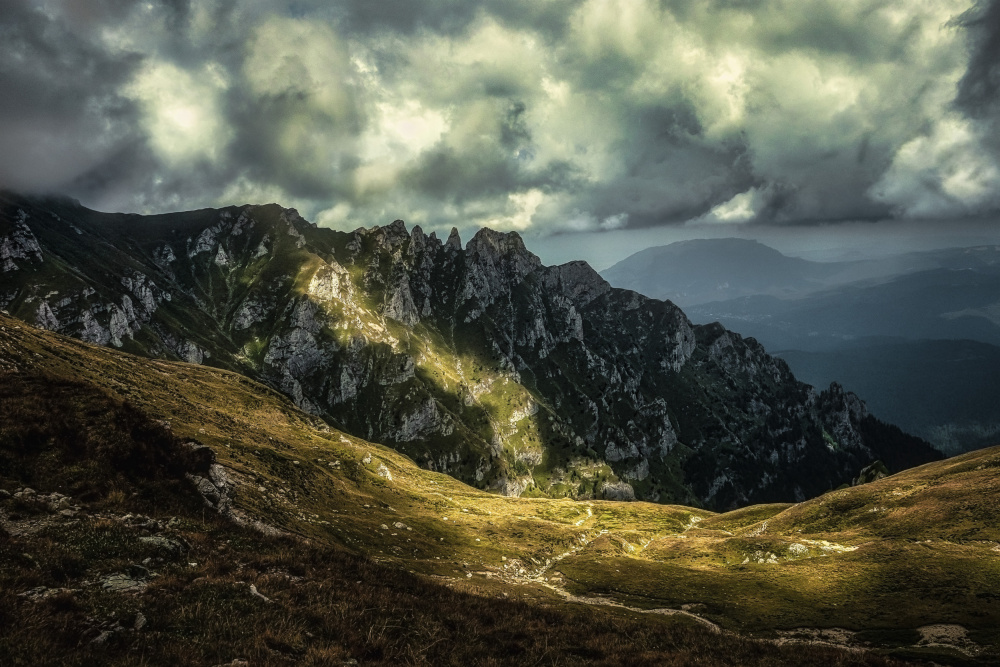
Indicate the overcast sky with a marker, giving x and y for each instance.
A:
(540, 116)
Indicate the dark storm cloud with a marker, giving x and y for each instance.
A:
(490, 167)
(979, 89)
(563, 115)
(447, 17)
(407, 16)
(60, 112)
(671, 174)
(258, 123)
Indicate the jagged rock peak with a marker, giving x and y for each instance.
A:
(293, 215)
(285, 214)
(418, 242)
(493, 245)
(392, 235)
(848, 400)
(421, 243)
(454, 242)
(496, 261)
(578, 281)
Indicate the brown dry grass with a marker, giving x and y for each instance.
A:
(326, 606)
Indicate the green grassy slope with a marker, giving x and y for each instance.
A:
(206, 591)
(887, 564)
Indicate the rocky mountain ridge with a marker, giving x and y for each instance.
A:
(476, 361)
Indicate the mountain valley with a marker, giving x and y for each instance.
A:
(369, 446)
(477, 361)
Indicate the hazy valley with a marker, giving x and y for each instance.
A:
(916, 335)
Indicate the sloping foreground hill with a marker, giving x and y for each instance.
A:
(180, 514)
(476, 361)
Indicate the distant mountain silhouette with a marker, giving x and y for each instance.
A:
(935, 304)
(705, 270)
(916, 334)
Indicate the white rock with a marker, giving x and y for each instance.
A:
(45, 318)
(19, 244)
(205, 242)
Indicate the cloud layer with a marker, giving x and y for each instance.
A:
(555, 116)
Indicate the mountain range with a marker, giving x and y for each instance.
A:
(916, 334)
(223, 435)
(702, 271)
(476, 361)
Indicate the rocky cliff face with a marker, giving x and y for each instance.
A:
(476, 361)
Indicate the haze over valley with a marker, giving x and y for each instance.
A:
(915, 334)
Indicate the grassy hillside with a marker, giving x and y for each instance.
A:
(365, 556)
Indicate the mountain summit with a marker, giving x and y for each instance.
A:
(705, 270)
(478, 361)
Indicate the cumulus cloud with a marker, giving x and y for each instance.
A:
(570, 115)
(945, 173)
(743, 207)
(62, 114)
(524, 205)
(181, 114)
